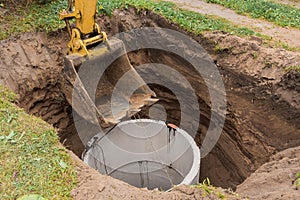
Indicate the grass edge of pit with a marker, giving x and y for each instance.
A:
(33, 161)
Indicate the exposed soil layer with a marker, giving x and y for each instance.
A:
(31, 65)
(263, 110)
(261, 118)
(33, 70)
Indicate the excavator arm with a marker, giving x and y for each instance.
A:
(86, 32)
(89, 48)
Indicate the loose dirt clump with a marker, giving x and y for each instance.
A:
(262, 113)
(278, 174)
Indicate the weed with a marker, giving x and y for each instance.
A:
(294, 68)
(221, 196)
(219, 49)
(285, 46)
(297, 181)
(254, 55)
(206, 182)
(7, 95)
(206, 187)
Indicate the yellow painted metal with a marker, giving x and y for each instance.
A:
(87, 10)
(86, 32)
(89, 46)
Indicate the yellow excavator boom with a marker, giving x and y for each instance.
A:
(89, 48)
(86, 32)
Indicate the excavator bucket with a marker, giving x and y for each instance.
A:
(103, 87)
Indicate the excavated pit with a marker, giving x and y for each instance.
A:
(263, 104)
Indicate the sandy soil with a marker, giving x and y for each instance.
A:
(275, 179)
(291, 36)
(95, 186)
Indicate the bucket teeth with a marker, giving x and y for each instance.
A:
(151, 101)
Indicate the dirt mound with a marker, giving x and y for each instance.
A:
(262, 114)
(275, 179)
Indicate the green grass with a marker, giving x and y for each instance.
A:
(35, 17)
(297, 181)
(294, 68)
(32, 159)
(280, 14)
(44, 17)
(206, 189)
(189, 20)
